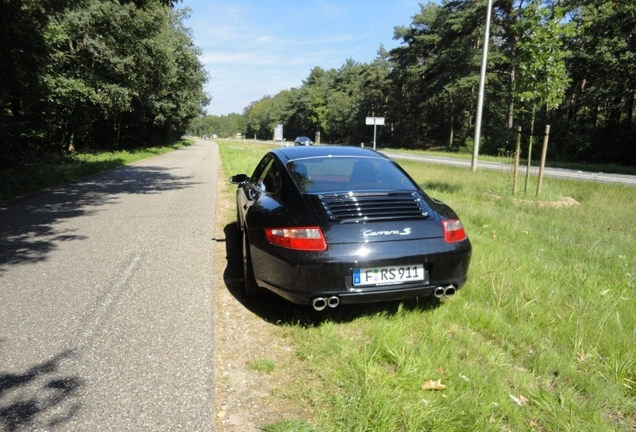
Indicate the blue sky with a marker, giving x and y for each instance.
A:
(256, 48)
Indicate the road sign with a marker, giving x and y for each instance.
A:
(378, 121)
(278, 133)
(375, 121)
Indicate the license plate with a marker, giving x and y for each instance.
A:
(388, 275)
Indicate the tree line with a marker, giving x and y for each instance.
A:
(566, 63)
(84, 75)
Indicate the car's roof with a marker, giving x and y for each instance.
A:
(291, 153)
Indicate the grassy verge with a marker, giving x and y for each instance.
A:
(509, 158)
(47, 173)
(505, 159)
(543, 336)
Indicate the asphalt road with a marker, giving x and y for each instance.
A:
(561, 173)
(106, 300)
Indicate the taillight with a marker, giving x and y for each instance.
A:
(299, 238)
(453, 230)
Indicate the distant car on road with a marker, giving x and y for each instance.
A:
(329, 225)
(303, 141)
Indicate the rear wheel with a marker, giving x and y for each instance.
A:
(251, 288)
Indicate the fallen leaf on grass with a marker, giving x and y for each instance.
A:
(433, 385)
(521, 400)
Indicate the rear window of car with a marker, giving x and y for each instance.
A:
(336, 174)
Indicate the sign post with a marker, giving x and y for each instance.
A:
(375, 121)
(278, 133)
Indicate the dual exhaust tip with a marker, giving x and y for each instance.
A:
(445, 292)
(320, 303)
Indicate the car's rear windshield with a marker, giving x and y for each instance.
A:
(336, 174)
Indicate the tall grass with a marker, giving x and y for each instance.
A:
(542, 337)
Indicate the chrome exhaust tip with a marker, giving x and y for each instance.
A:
(319, 303)
(449, 291)
(333, 301)
(439, 292)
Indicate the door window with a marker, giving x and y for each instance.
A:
(266, 175)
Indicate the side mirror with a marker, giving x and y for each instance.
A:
(239, 179)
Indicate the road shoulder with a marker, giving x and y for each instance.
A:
(246, 400)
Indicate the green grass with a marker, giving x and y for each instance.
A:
(46, 173)
(542, 337)
(262, 365)
(291, 426)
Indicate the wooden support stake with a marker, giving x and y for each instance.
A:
(517, 156)
(543, 155)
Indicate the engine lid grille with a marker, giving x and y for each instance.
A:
(373, 206)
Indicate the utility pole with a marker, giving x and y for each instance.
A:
(482, 80)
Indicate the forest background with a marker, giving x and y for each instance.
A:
(564, 63)
(90, 75)
(83, 76)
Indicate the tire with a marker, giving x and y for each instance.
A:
(251, 288)
(239, 228)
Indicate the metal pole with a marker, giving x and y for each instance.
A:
(480, 97)
(374, 129)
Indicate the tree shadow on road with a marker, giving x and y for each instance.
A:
(38, 392)
(29, 229)
(279, 311)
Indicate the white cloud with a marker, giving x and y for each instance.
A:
(245, 58)
(253, 48)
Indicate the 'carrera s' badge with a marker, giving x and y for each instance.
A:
(370, 233)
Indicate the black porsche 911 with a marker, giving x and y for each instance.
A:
(330, 225)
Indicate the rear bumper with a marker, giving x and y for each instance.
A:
(301, 277)
(353, 297)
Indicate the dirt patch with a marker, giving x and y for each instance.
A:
(561, 203)
(246, 395)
